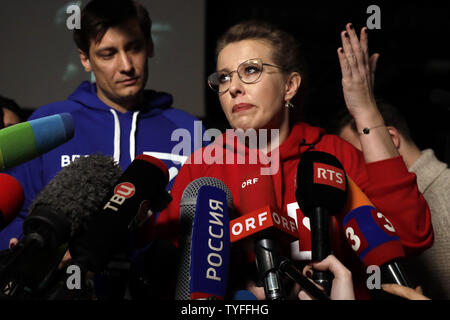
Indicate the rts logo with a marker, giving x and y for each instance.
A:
(122, 192)
(329, 175)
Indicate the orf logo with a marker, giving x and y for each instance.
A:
(125, 189)
(329, 175)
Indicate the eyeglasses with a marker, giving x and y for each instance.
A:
(248, 71)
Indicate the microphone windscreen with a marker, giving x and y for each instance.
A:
(11, 199)
(77, 192)
(188, 205)
(27, 140)
(321, 183)
(369, 233)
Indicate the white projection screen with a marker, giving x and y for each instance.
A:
(39, 63)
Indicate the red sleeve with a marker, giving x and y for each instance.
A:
(393, 190)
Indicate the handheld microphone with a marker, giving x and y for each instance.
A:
(321, 192)
(27, 140)
(268, 228)
(244, 295)
(373, 237)
(204, 240)
(59, 212)
(11, 199)
(141, 185)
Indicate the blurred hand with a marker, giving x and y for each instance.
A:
(342, 285)
(404, 292)
(64, 261)
(13, 242)
(358, 71)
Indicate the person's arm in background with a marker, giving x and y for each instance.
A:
(388, 184)
(358, 72)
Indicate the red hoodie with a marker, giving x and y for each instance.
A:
(387, 183)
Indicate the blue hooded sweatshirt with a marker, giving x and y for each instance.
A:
(100, 129)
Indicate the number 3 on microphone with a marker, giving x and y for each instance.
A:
(352, 237)
(388, 224)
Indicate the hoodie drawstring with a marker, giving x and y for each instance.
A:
(116, 136)
(133, 136)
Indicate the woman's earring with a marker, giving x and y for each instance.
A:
(288, 105)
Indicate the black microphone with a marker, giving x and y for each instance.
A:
(59, 212)
(142, 185)
(321, 193)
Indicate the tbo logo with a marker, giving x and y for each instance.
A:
(122, 192)
(125, 189)
(329, 175)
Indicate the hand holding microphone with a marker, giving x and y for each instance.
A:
(342, 284)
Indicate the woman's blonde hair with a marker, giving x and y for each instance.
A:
(286, 51)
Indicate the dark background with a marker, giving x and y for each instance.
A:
(413, 71)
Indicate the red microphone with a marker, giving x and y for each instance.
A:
(263, 219)
(267, 226)
(11, 199)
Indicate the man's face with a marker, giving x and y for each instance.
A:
(120, 64)
(9, 118)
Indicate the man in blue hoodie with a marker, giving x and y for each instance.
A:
(115, 115)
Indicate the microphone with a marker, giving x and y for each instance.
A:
(321, 193)
(12, 199)
(373, 237)
(27, 140)
(204, 240)
(244, 295)
(59, 212)
(267, 227)
(140, 187)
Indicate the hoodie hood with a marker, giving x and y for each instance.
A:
(301, 138)
(154, 102)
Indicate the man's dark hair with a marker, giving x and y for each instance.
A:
(391, 115)
(99, 15)
(11, 105)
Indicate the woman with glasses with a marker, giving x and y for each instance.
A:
(258, 80)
